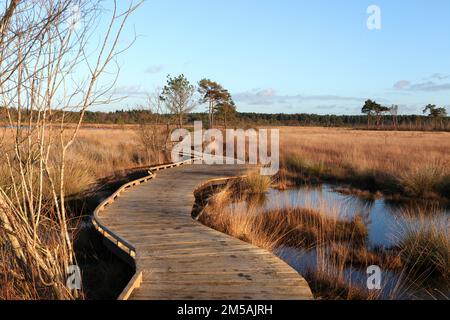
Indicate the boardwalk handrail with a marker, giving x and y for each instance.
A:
(121, 243)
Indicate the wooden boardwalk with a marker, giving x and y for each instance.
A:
(179, 258)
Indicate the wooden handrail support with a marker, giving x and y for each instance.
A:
(122, 244)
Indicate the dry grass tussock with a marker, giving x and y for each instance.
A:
(256, 184)
(425, 248)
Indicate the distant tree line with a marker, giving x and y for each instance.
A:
(174, 103)
(243, 119)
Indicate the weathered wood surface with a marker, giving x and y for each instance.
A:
(179, 258)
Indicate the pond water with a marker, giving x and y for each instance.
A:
(385, 220)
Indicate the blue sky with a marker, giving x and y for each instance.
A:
(293, 56)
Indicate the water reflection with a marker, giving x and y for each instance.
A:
(385, 219)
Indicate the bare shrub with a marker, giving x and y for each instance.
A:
(41, 47)
(155, 128)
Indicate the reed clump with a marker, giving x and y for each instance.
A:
(425, 249)
(310, 227)
(256, 184)
(361, 257)
(333, 286)
(426, 181)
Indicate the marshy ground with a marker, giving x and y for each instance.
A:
(371, 164)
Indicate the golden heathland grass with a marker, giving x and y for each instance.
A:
(96, 153)
(415, 164)
(390, 151)
(105, 151)
(411, 163)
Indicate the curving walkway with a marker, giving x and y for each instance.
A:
(179, 258)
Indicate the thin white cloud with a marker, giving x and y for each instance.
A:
(130, 91)
(431, 84)
(155, 69)
(269, 97)
(428, 86)
(402, 84)
(439, 76)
